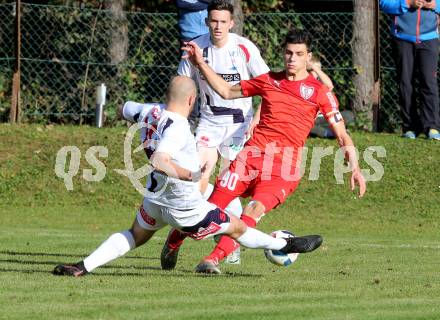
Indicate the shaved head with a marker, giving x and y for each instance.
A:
(181, 88)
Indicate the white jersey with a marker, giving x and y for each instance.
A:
(170, 133)
(239, 59)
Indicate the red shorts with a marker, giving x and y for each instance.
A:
(265, 180)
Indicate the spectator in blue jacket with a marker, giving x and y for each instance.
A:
(415, 29)
(192, 24)
(192, 15)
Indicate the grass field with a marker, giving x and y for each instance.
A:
(380, 258)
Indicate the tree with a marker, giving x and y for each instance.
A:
(119, 38)
(363, 45)
(238, 17)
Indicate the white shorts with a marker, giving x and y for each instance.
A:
(229, 140)
(206, 220)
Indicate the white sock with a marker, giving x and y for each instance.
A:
(114, 247)
(253, 238)
(208, 191)
(235, 208)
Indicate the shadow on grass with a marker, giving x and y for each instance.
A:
(168, 274)
(173, 273)
(54, 263)
(15, 253)
(178, 273)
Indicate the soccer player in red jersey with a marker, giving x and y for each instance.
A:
(263, 170)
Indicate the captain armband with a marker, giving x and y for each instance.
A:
(334, 117)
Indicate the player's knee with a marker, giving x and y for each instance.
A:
(140, 235)
(237, 227)
(138, 240)
(241, 227)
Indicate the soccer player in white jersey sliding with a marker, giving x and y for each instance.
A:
(173, 196)
(224, 125)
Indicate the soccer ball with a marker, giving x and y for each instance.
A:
(277, 257)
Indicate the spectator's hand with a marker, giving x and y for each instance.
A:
(416, 3)
(313, 66)
(193, 53)
(429, 5)
(358, 178)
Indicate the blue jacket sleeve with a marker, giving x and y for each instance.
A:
(192, 5)
(395, 7)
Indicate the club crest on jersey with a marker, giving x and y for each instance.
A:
(156, 112)
(306, 91)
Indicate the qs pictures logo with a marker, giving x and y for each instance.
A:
(68, 159)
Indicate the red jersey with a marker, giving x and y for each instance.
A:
(288, 108)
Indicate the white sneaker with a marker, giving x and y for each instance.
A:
(234, 257)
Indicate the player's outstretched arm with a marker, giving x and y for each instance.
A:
(130, 111)
(226, 91)
(346, 142)
(161, 161)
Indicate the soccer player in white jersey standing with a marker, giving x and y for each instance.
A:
(224, 125)
(173, 196)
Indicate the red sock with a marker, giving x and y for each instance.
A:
(223, 248)
(226, 244)
(175, 239)
(250, 222)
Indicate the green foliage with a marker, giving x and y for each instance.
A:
(169, 6)
(389, 121)
(129, 5)
(5, 88)
(363, 122)
(256, 6)
(66, 54)
(331, 45)
(342, 77)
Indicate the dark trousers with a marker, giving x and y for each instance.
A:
(418, 60)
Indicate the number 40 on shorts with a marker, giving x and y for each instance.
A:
(229, 180)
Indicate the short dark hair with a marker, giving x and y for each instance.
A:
(298, 36)
(221, 5)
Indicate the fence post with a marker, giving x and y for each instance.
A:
(100, 102)
(377, 84)
(14, 113)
